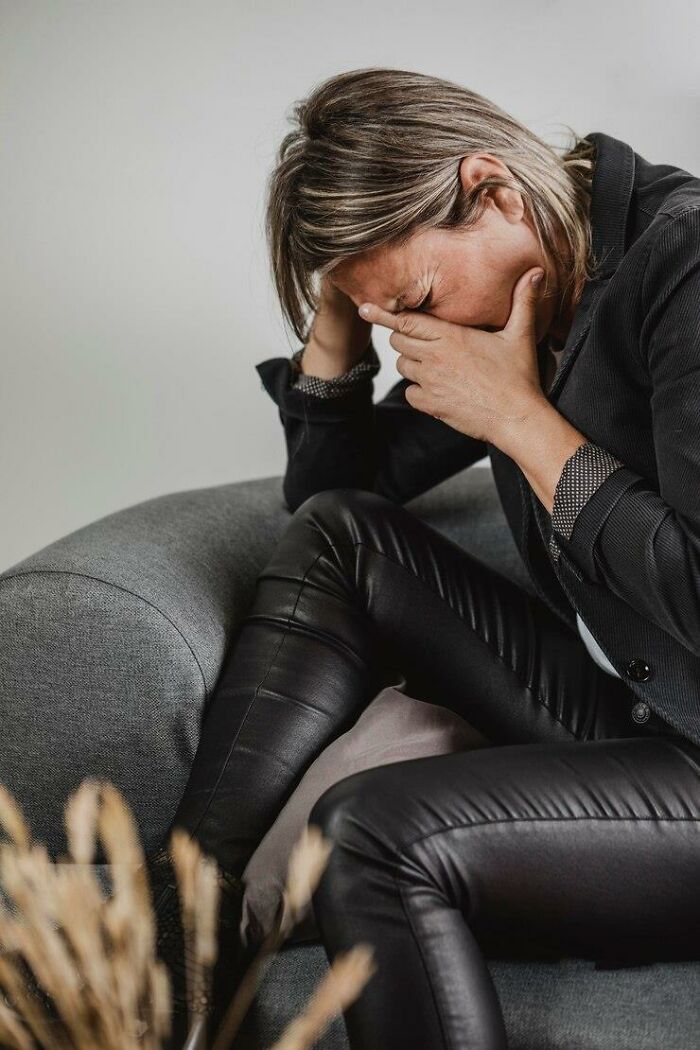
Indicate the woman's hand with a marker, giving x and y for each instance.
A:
(339, 336)
(481, 383)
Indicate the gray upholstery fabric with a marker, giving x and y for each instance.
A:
(560, 1005)
(112, 638)
(111, 641)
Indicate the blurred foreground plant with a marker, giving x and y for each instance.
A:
(78, 969)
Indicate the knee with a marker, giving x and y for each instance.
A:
(340, 504)
(347, 816)
(356, 813)
(335, 811)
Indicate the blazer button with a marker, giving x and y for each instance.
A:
(641, 712)
(639, 669)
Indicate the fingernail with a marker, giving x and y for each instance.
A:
(365, 309)
(537, 278)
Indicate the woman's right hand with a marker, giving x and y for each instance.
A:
(339, 336)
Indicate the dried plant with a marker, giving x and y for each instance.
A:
(79, 970)
(347, 976)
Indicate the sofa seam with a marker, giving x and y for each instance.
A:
(125, 590)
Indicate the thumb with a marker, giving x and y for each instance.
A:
(525, 296)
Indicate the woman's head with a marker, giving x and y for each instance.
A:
(395, 182)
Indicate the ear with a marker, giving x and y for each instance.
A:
(478, 166)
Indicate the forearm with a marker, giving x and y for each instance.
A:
(540, 445)
(330, 440)
(348, 441)
(317, 360)
(612, 525)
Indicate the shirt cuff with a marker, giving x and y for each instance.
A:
(581, 475)
(368, 365)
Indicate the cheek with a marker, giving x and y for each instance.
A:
(501, 304)
(479, 283)
(482, 306)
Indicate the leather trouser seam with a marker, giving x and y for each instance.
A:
(225, 763)
(409, 919)
(524, 685)
(333, 546)
(402, 853)
(401, 850)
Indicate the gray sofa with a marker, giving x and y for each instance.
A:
(111, 641)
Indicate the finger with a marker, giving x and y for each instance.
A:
(523, 314)
(408, 322)
(408, 369)
(417, 398)
(406, 344)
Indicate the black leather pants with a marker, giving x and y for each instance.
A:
(543, 846)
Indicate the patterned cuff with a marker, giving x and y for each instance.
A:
(368, 365)
(581, 475)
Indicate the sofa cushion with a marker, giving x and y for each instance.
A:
(392, 728)
(565, 1004)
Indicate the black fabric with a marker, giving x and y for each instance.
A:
(581, 475)
(357, 586)
(629, 380)
(582, 831)
(544, 851)
(368, 365)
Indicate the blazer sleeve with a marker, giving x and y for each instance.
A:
(349, 441)
(368, 365)
(621, 532)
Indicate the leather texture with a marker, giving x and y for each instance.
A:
(530, 851)
(582, 824)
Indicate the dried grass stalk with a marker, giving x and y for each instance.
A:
(94, 957)
(347, 976)
(12, 1029)
(12, 820)
(307, 862)
(198, 886)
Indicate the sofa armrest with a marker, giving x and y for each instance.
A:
(111, 642)
(113, 637)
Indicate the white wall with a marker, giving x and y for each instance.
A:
(135, 140)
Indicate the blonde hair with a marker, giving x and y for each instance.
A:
(374, 157)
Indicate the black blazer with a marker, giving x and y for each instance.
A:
(628, 379)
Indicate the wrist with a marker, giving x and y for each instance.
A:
(540, 447)
(325, 362)
(531, 427)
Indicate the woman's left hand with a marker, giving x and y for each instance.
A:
(480, 383)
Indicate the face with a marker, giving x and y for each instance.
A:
(466, 276)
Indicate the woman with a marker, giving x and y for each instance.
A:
(435, 208)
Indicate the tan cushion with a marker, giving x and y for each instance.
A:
(393, 727)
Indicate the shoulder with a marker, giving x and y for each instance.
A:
(670, 286)
(673, 246)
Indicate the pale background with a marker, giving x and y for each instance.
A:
(135, 141)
